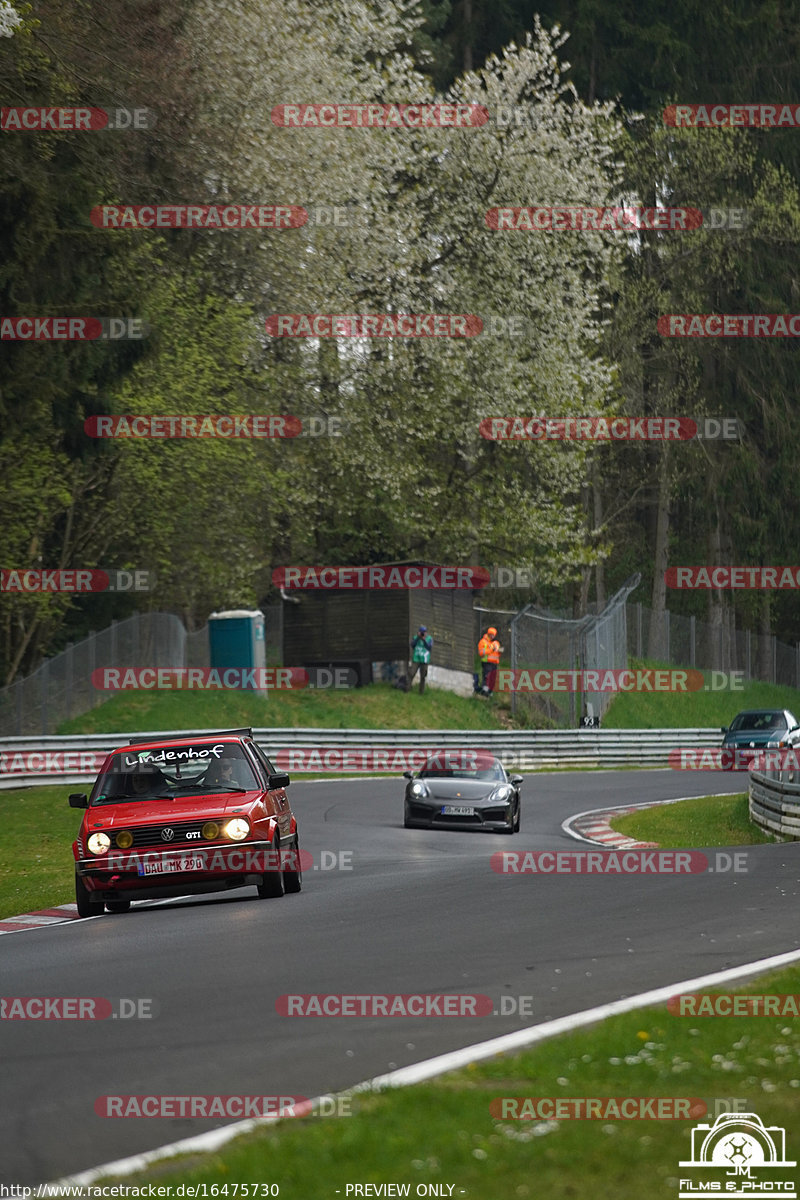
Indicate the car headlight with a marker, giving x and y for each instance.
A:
(418, 789)
(210, 831)
(124, 839)
(501, 794)
(99, 843)
(237, 829)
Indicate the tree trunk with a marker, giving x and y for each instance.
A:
(656, 641)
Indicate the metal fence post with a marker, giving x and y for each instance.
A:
(747, 647)
(45, 682)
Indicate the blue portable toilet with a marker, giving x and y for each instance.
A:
(236, 639)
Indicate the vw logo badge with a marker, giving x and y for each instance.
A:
(167, 834)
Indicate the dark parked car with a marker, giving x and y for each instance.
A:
(758, 728)
(455, 797)
(180, 815)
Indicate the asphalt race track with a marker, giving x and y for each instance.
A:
(419, 911)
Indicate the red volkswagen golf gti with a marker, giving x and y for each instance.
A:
(181, 815)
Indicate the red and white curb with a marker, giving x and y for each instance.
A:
(593, 826)
(39, 919)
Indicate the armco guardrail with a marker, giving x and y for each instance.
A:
(775, 802)
(76, 759)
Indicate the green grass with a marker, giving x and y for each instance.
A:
(702, 710)
(36, 863)
(706, 821)
(378, 706)
(443, 1132)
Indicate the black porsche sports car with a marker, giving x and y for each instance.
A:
(444, 797)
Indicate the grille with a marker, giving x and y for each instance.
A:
(150, 835)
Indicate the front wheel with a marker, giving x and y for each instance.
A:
(519, 817)
(293, 879)
(272, 887)
(88, 906)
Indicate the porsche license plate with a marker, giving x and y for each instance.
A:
(457, 810)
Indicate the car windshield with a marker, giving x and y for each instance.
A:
(759, 720)
(493, 774)
(174, 771)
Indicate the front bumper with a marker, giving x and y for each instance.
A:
(430, 816)
(124, 874)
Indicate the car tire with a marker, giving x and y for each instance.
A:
(293, 880)
(87, 905)
(118, 906)
(272, 887)
(518, 821)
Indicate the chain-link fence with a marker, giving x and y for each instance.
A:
(719, 646)
(64, 686)
(544, 640)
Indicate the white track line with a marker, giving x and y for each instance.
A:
(432, 1067)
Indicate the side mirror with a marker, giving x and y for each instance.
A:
(408, 774)
(78, 800)
(515, 778)
(279, 780)
(724, 729)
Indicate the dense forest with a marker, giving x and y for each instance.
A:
(574, 96)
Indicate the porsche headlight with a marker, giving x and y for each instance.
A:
(418, 789)
(237, 829)
(501, 794)
(99, 843)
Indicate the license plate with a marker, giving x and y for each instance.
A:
(457, 810)
(192, 863)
